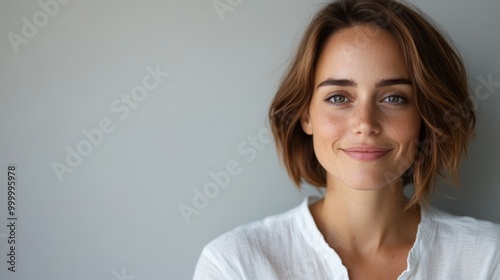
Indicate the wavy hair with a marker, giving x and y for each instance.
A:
(436, 71)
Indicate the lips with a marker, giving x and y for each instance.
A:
(366, 153)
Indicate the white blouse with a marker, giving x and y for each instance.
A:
(290, 246)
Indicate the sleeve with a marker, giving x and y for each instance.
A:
(495, 268)
(231, 256)
(212, 266)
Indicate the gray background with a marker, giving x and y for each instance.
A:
(116, 215)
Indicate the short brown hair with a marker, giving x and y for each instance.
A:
(437, 73)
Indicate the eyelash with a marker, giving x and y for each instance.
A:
(402, 100)
(331, 98)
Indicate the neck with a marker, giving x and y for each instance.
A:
(364, 221)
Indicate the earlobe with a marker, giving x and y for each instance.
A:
(305, 122)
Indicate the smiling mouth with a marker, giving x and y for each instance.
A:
(366, 153)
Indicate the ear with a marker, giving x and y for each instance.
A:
(305, 122)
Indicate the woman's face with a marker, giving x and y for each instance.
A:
(362, 117)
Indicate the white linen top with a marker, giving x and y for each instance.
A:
(290, 246)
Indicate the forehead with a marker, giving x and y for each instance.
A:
(361, 51)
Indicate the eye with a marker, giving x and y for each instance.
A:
(395, 100)
(337, 99)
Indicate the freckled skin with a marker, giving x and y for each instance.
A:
(366, 115)
(362, 215)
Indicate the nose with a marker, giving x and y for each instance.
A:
(366, 119)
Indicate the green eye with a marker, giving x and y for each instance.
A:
(338, 99)
(395, 99)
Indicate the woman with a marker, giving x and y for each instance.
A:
(368, 106)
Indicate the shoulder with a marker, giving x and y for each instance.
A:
(466, 238)
(455, 247)
(257, 235)
(464, 228)
(249, 251)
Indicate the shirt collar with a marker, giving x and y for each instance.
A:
(312, 235)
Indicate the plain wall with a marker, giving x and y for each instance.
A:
(115, 212)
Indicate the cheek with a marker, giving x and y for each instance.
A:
(329, 130)
(407, 131)
(413, 124)
(329, 126)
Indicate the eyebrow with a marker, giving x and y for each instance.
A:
(351, 83)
